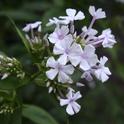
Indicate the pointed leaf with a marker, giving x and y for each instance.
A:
(37, 115)
(24, 40)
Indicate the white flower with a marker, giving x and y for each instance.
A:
(90, 32)
(59, 34)
(72, 15)
(108, 40)
(67, 49)
(30, 26)
(102, 73)
(97, 14)
(87, 75)
(86, 58)
(55, 21)
(72, 106)
(63, 71)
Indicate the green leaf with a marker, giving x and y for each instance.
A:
(11, 83)
(76, 76)
(24, 40)
(37, 115)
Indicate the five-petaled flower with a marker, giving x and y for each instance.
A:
(108, 39)
(72, 16)
(72, 106)
(86, 58)
(67, 49)
(97, 14)
(59, 34)
(63, 71)
(102, 73)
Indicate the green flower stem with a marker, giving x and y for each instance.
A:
(67, 118)
(30, 79)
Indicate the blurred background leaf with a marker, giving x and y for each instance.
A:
(37, 115)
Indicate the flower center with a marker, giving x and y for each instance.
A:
(59, 67)
(84, 56)
(71, 100)
(60, 35)
(67, 51)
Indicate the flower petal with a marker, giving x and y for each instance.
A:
(27, 28)
(107, 71)
(92, 10)
(84, 65)
(104, 77)
(58, 49)
(65, 30)
(68, 69)
(76, 107)
(79, 16)
(36, 24)
(51, 74)
(66, 43)
(51, 62)
(76, 49)
(103, 60)
(53, 38)
(64, 78)
(77, 96)
(75, 60)
(70, 110)
(89, 50)
(64, 102)
(71, 12)
(63, 59)
(100, 14)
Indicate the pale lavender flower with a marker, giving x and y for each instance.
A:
(87, 75)
(63, 71)
(32, 26)
(55, 21)
(97, 14)
(86, 58)
(72, 106)
(72, 15)
(59, 34)
(107, 39)
(68, 50)
(89, 32)
(102, 73)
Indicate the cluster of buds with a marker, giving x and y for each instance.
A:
(35, 38)
(6, 109)
(10, 66)
(72, 51)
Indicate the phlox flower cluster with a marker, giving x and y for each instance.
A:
(75, 51)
